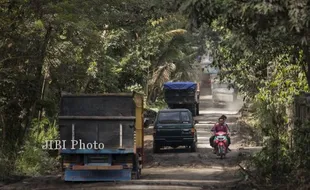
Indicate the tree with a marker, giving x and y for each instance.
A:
(264, 47)
(254, 32)
(52, 47)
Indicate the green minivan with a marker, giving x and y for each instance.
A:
(174, 128)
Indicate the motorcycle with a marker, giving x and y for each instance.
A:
(220, 142)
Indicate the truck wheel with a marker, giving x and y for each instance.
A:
(193, 147)
(197, 109)
(194, 110)
(155, 148)
(136, 171)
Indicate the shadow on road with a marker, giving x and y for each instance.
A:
(174, 150)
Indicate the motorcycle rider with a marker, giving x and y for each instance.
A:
(220, 126)
(228, 138)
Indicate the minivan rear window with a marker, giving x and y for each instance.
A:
(173, 117)
(169, 117)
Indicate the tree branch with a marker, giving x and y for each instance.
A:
(18, 57)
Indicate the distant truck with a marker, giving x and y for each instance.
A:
(223, 93)
(112, 121)
(182, 95)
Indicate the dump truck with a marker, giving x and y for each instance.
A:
(112, 121)
(182, 95)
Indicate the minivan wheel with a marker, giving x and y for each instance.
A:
(155, 148)
(193, 147)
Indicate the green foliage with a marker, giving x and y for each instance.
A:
(32, 160)
(7, 166)
(277, 161)
(301, 154)
(245, 37)
(43, 130)
(135, 88)
(262, 46)
(50, 47)
(157, 105)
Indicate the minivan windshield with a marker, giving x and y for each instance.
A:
(173, 117)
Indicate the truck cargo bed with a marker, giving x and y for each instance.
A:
(180, 93)
(104, 119)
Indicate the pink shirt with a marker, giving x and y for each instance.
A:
(218, 127)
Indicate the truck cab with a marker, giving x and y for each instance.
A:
(174, 128)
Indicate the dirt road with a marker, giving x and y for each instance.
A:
(173, 168)
(202, 168)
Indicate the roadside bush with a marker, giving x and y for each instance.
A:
(272, 163)
(32, 160)
(7, 166)
(278, 162)
(301, 154)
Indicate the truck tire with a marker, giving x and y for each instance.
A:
(194, 110)
(197, 109)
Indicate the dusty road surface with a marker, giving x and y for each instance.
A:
(173, 168)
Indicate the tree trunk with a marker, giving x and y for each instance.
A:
(31, 112)
(3, 130)
(306, 65)
(85, 85)
(42, 96)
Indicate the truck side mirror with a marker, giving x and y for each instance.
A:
(146, 123)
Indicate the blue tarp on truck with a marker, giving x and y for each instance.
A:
(180, 85)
